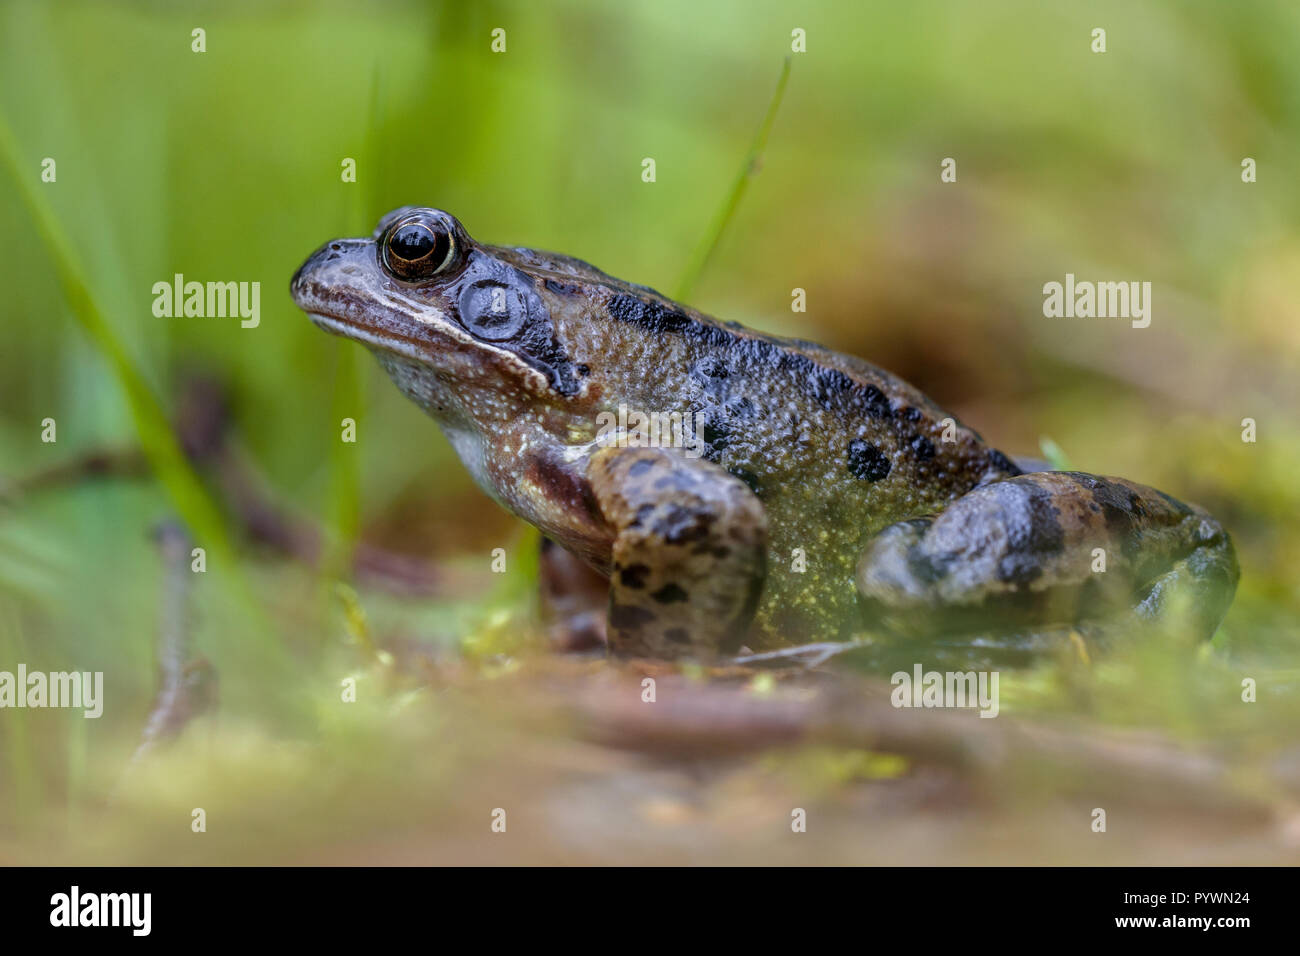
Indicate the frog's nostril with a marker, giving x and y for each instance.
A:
(331, 253)
(297, 283)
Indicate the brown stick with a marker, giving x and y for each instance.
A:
(187, 684)
(688, 719)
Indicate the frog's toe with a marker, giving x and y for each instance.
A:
(1198, 587)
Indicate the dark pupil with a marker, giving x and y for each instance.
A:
(414, 242)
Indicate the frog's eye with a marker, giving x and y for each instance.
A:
(417, 247)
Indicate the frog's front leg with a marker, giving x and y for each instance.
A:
(1050, 549)
(689, 552)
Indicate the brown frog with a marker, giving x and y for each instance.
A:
(738, 490)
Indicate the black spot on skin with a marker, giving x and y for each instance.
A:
(709, 367)
(680, 525)
(1002, 463)
(876, 404)
(642, 514)
(1033, 529)
(677, 635)
(562, 288)
(922, 448)
(626, 308)
(629, 617)
(829, 383)
(584, 370)
(716, 434)
(911, 414)
(741, 408)
(1123, 519)
(925, 568)
(866, 461)
(633, 576)
(655, 317)
(675, 481)
(1042, 532)
(669, 594)
(640, 467)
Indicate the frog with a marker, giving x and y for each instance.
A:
(801, 497)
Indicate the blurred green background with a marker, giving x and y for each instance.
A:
(225, 165)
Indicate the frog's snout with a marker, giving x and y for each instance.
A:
(338, 287)
(328, 267)
(344, 291)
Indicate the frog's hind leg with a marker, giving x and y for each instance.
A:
(1049, 551)
(573, 599)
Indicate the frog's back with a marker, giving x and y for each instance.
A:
(844, 399)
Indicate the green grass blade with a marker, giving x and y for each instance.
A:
(748, 170)
(349, 370)
(152, 427)
(1055, 454)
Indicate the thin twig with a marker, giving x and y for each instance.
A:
(690, 719)
(187, 684)
(202, 428)
(105, 463)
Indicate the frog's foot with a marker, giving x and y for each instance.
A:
(573, 600)
(1050, 549)
(689, 553)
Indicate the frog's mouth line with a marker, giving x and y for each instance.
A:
(416, 349)
(368, 336)
(423, 347)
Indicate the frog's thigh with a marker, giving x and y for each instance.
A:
(1031, 549)
(689, 552)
